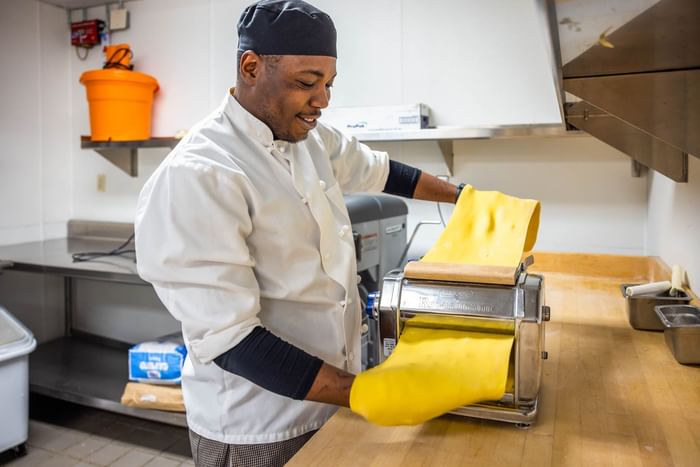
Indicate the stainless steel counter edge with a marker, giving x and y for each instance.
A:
(55, 257)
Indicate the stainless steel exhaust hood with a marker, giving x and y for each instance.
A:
(638, 80)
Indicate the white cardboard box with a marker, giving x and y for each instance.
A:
(378, 118)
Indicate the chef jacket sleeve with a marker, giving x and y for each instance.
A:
(356, 167)
(272, 363)
(402, 179)
(192, 222)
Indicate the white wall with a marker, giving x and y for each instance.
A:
(405, 51)
(385, 58)
(589, 200)
(35, 156)
(674, 221)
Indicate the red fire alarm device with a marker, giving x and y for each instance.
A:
(86, 33)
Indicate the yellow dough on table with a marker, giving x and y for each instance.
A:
(487, 228)
(430, 372)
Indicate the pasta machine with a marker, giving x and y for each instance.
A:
(512, 304)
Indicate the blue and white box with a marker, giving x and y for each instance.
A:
(157, 362)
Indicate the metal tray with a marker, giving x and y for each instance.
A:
(681, 331)
(640, 309)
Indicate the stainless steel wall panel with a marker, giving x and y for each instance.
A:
(664, 37)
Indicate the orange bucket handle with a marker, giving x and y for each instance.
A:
(118, 56)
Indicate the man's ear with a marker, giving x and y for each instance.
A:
(250, 67)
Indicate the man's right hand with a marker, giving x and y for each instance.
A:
(332, 386)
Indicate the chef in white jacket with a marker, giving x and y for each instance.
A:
(244, 234)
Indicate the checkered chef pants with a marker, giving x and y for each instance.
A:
(209, 453)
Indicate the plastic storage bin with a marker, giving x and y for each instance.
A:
(16, 342)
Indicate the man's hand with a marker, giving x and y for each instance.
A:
(332, 386)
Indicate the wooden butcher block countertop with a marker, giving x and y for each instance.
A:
(610, 395)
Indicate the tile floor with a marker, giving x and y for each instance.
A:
(65, 434)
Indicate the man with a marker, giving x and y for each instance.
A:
(245, 237)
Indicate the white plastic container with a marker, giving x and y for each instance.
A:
(16, 342)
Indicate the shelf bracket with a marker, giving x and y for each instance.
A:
(448, 153)
(647, 150)
(637, 168)
(124, 158)
(125, 154)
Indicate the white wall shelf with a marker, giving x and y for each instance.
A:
(124, 154)
(446, 136)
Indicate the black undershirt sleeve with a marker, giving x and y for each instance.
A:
(402, 179)
(272, 363)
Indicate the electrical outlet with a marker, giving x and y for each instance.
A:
(101, 183)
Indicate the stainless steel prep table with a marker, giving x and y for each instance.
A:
(78, 368)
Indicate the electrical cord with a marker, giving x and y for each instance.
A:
(444, 178)
(442, 218)
(118, 251)
(82, 57)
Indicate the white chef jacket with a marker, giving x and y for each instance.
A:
(235, 230)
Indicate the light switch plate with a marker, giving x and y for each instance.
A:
(118, 19)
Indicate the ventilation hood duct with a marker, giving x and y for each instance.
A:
(633, 67)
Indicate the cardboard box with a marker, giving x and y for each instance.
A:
(379, 118)
(157, 362)
(148, 396)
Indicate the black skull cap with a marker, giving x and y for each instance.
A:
(289, 27)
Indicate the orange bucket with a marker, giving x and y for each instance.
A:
(121, 104)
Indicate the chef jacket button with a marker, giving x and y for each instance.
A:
(349, 301)
(358, 279)
(322, 184)
(351, 356)
(303, 200)
(343, 231)
(365, 328)
(342, 303)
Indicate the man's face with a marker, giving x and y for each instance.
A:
(290, 91)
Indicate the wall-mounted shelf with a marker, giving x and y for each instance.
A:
(446, 136)
(124, 154)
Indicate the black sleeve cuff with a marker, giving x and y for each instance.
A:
(402, 179)
(272, 363)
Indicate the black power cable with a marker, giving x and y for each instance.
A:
(118, 251)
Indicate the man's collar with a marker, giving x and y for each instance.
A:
(245, 120)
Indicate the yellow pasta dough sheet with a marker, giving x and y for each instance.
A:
(430, 372)
(487, 228)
